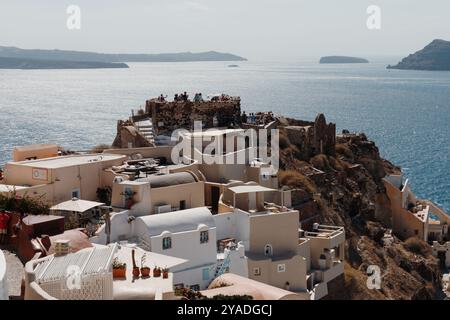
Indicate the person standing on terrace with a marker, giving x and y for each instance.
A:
(244, 117)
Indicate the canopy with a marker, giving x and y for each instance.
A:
(249, 189)
(76, 205)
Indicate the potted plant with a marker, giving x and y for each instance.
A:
(135, 267)
(156, 272)
(119, 268)
(165, 273)
(145, 271)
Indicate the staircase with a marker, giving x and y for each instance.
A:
(223, 266)
(145, 127)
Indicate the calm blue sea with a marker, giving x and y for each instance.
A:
(407, 113)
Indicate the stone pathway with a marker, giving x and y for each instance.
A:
(14, 272)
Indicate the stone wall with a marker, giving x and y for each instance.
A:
(313, 138)
(128, 136)
(168, 116)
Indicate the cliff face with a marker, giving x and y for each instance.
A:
(346, 189)
(435, 56)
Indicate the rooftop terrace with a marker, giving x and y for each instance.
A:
(68, 161)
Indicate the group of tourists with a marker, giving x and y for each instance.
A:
(259, 118)
(222, 97)
(181, 97)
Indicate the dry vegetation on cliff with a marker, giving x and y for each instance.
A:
(349, 191)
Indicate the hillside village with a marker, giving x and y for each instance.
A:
(127, 222)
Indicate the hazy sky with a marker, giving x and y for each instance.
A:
(256, 29)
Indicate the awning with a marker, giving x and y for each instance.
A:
(249, 189)
(76, 205)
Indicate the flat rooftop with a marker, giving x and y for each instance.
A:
(33, 147)
(68, 161)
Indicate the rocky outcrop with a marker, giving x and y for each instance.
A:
(128, 136)
(169, 116)
(350, 193)
(435, 56)
(313, 138)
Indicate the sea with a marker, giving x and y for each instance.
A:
(407, 113)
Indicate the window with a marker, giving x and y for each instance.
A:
(257, 271)
(195, 287)
(167, 243)
(268, 250)
(204, 236)
(281, 268)
(76, 193)
(205, 274)
(182, 204)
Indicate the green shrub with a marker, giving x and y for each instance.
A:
(23, 204)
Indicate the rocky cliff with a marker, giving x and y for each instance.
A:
(346, 189)
(435, 56)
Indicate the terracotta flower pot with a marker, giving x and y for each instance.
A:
(119, 273)
(136, 272)
(156, 273)
(145, 272)
(165, 274)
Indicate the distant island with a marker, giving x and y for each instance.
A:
(342, 59)
(46, 59)
(30, 64)
(233, 66)
(434, 57)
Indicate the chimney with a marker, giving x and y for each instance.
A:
(62, 247)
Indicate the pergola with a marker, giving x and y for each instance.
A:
(76, 205)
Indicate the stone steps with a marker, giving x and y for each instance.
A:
(146, 129)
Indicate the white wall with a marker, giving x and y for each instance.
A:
(119, 228)
(4, 295)
(238, 261)
(233, 225)
(194, 276)
(186, 245)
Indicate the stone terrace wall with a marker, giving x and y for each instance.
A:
(313, 138)
(168, 116)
